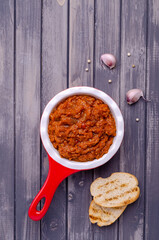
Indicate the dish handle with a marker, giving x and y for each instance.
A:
(57, 173)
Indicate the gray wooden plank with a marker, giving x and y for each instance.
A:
(54, 79)
(80, 50)
(81, 42)
(28, 26)
(132, 155)
(152, 167)
(107, 40)
(7, 120)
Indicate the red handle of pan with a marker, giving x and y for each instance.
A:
(57, 173)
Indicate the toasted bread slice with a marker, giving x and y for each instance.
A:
(104, 216)
(118, 190)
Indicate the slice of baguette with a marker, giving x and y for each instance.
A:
(118, 190)
(104, 216)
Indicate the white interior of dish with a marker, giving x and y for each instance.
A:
(82, 91)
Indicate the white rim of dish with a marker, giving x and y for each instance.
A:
(54, 154)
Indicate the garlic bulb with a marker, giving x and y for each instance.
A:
(134, 95)
(108, 60)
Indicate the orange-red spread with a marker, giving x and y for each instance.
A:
(81, 128)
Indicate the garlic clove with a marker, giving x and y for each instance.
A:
(108, 60)
(134, 95)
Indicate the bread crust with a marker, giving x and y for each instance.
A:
(131, 195)
(98, 218)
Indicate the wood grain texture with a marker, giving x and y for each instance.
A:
(81, 42)
(132, 155)
(54, 80)
(80, 50)
(7, 120)
(28, 25)
(152, 168)
(107, 40)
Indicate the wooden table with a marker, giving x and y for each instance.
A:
(44, 48)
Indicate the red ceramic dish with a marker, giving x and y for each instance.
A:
(60, 168)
